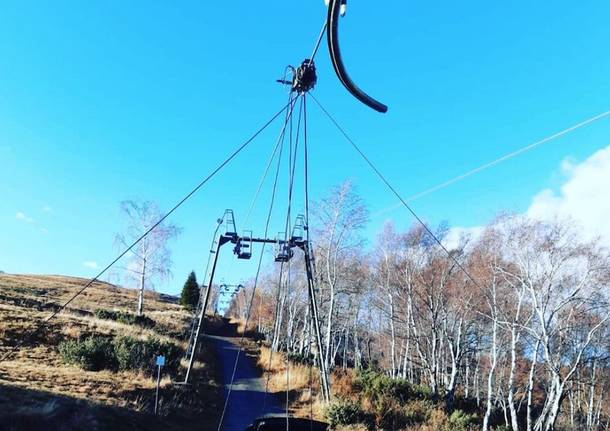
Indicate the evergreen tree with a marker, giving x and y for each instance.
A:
(190, 292)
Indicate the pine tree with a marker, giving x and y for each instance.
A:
(190, 292)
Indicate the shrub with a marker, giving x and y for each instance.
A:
(378, 386)
(93, 353)
(120, 353)
(132, 354)
(422, 392)
(461, 421)
(344, 413)
(125, 317)
(417, 412)
(300, 359)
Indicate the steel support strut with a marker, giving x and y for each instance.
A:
(313, 304)
(222, 240)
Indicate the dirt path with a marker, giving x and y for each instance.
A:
(247, 400)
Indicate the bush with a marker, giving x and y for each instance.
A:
(417, 412)
(132, 354)
(120, 353)
(422, 392)
(344, 413)
(125, 317)
(300, 359)
(93, 353)
(378, 386)
(461, 421)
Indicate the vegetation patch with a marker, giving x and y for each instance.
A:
(344, 413)
(125, 317)
(119, 353)
(462, 421)
(378, 386)
(92, 353)
(301, 359)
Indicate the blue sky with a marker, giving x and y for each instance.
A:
(105, 101)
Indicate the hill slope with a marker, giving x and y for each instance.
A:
(36, 383)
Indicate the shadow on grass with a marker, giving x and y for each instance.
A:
(28, 409)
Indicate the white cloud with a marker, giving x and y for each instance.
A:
(90, 264)
(583, 197)
(21, 216)
(47, 209)
(459, 236)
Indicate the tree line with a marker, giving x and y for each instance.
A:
(515, 319)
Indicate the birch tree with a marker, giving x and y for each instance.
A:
(149, 261)
(338, 220)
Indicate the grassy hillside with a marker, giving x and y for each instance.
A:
(37, 384)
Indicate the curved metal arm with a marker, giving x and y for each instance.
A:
(335, 55)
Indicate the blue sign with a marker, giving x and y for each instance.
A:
(160, 361)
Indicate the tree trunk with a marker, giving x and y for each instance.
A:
(494, 360)
(392, 336)
(530, 386)
(142, 284)
(329, 325)
(511, 379)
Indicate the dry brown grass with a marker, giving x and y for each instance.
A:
(36, 367)
(281, 371)
(240, 327)
(304, 402)
(357, 427)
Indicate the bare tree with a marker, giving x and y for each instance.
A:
(565, 280)
(338, 218)
(150, 259)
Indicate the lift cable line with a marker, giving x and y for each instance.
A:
(291, 169)
(501, 159)
(231, 233)
(258, 270)
(265, 173)
(238, 150)
(395, 192)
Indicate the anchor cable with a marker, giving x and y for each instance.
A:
(238, 150)
(258, 270)
(395, 192)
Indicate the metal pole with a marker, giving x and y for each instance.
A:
(316, 323)
(157, 392)
(223, 240)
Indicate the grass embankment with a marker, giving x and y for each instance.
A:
(364, 400)
(94, 362)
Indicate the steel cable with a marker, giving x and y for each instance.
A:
(43, 324)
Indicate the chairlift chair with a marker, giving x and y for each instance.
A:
(299, 228)
(283, 251)
(243, 247)
(229, 218)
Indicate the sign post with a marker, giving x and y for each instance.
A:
(160, 363)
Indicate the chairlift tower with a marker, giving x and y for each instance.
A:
(284, 252)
